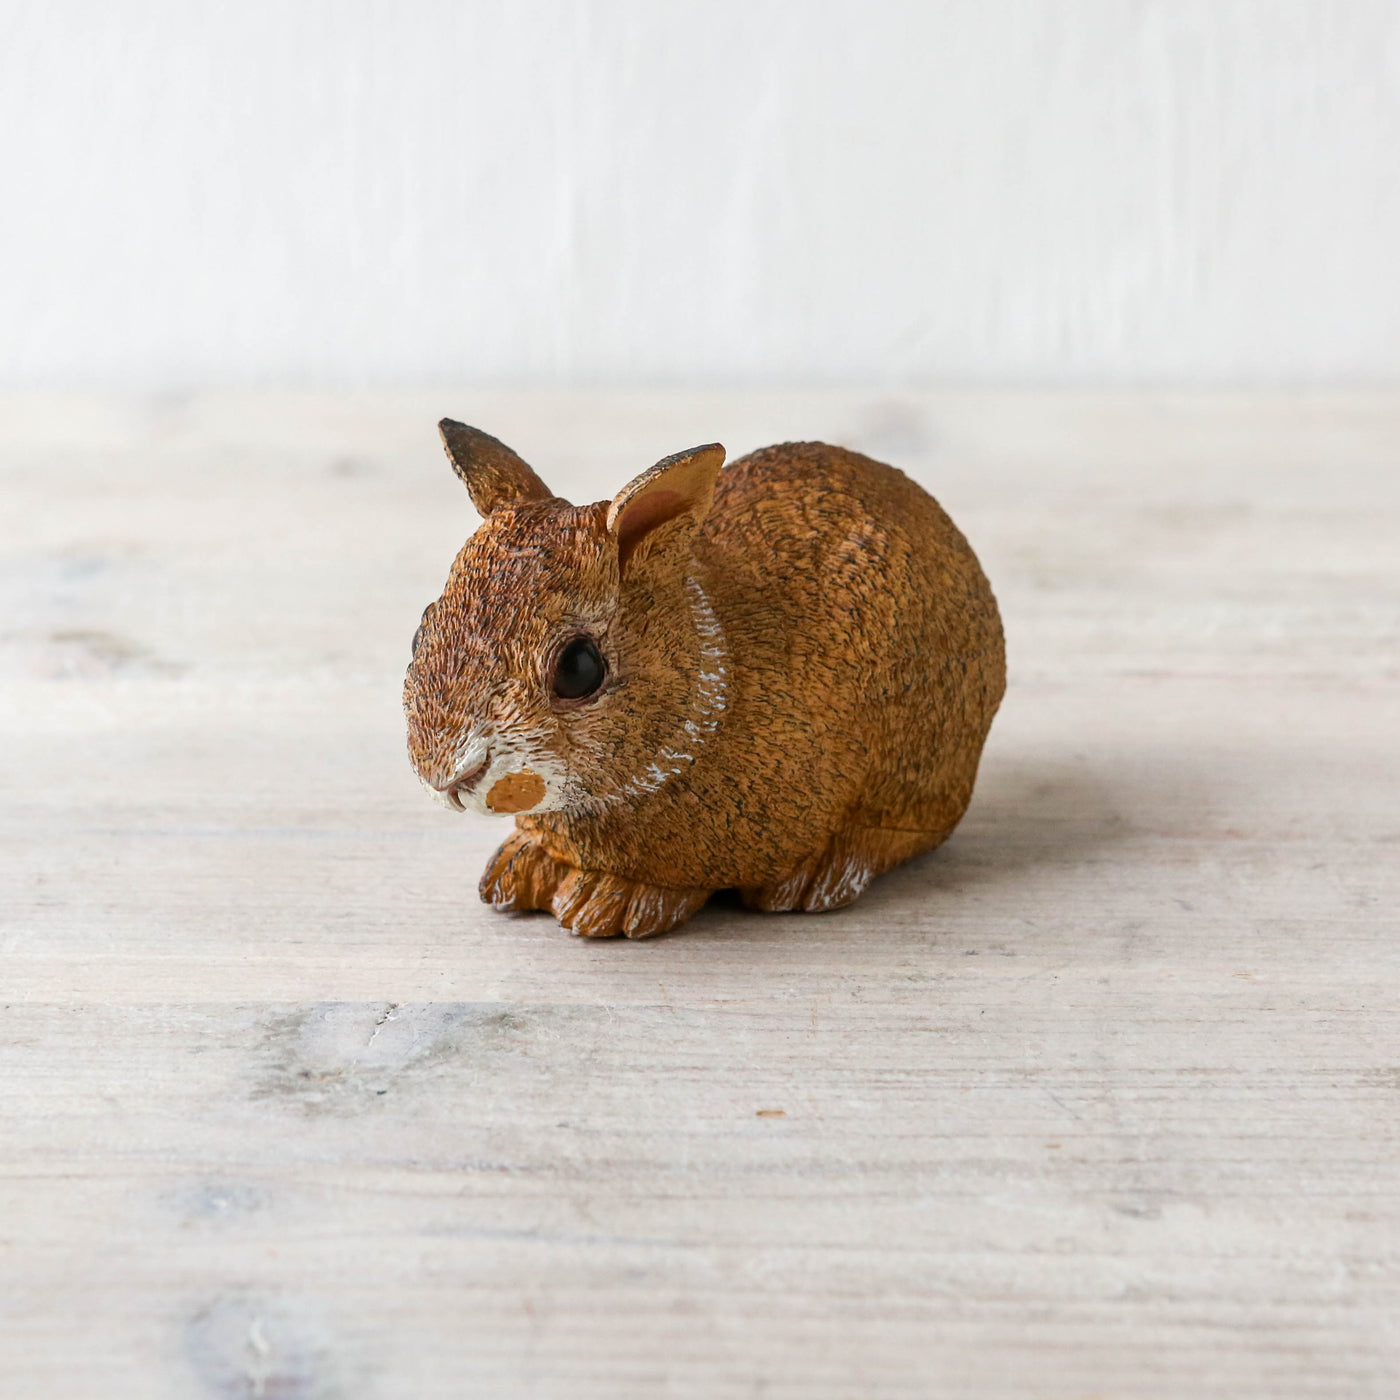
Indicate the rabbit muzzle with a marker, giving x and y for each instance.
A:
(495, 777)
(464, 781)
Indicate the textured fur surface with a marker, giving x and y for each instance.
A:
(803, 660)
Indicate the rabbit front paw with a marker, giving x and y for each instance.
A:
(521, 875)
(596, 904)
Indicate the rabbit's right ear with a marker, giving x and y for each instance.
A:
(494, 476)
(678, 487)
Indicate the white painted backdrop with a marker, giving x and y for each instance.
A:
(574, 191)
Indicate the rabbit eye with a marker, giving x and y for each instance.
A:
(580, 670)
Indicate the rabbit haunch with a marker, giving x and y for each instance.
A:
(790, 668)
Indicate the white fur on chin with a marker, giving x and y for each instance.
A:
(521, 753)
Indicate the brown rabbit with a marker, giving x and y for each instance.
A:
(776, 678)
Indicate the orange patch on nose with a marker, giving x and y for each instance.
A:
(515, 792)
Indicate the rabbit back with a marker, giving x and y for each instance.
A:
(864, 665)
(891, 648)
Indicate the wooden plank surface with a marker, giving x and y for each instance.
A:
(1102, 1099)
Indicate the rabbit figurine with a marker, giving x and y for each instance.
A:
(776, 678)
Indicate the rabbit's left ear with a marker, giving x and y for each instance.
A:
(676, 487)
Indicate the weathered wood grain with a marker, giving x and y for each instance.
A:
(1102, 1099)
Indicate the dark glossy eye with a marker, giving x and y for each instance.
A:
(580, 670)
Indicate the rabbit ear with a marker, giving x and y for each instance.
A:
(682, 485)
(494, 476)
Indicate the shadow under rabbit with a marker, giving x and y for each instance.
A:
(1027, 820)
(1032, 826)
